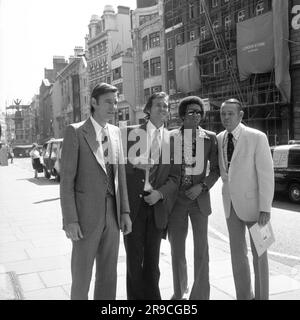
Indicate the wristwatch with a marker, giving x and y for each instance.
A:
(204, 187)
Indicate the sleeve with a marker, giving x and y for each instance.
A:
(214, 171)
(69, 161)
(265, 173)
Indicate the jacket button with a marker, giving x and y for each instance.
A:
(143, 180)
(140, 195)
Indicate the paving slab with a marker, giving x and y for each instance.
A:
(57, 293)
(30, 282)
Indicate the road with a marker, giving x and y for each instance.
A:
(285, 221)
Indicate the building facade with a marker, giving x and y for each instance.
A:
(148, 53)
(108, 36)
(122, 78)
(202, 36)
(70, 93)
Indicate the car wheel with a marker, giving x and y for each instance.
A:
(294, 192)
(46, 174)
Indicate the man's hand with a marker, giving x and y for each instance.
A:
(73, 231)
(126, 225)
(264, 218)
(153, 197)
(194, 191)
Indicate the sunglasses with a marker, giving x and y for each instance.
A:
(194, 112)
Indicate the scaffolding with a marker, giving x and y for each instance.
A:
(217, 57)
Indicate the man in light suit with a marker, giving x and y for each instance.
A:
(94, 198)
(246, 169)
(149, 213)
(193, 199)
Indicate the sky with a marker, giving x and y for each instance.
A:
(32, 32)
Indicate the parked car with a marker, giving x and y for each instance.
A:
(21, 151)
(286, 159)
(51, 157)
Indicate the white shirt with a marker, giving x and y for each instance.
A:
(98, 130)
(151, 134)
(236, 134)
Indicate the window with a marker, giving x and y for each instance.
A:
(155, 66)
(169, 43)
(215, 25)
(119, 86)
(117, 73)
(154, 39)
(227, 22)
(171, 86)
(203, 33)
(241, 16)
(214, 3)
(179, 39)
(217, 65)
(228, 62)
(201, 8)
(191, 11)
(259, 8)
(156, 89)
(170, 63)
(146, 94)
(192, 35)
(145, 43)
(146, 69)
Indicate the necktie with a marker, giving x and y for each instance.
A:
(230, 147)
(154, 155)
(108, 165)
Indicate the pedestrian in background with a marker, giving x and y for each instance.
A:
(149, 213)
(246, 168)
(35, 158)
(198, 148)
(10, 154)
(94, 197)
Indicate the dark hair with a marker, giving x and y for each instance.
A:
(99, 90)
(148, 105)
(233, 101)
(185, 102)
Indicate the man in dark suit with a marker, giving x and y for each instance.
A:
(198, 147)
(149, 214)
(94, 198)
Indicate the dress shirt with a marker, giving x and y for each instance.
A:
(236, 134)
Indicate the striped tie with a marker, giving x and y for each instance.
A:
(108, 165)
(154, 152)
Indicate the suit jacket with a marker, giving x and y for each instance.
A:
(83, 176)
(249, 183)
(207, 153)
(167, 178)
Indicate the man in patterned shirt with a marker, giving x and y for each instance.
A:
(198, 148)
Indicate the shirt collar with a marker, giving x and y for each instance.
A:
(98, 128)
(151, 127)
(236, 132)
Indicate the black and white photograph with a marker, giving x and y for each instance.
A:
(149, 151)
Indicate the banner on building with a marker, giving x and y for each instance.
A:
(281, 48)
(255, 45)
(187, 67)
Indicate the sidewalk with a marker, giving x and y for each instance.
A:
(35, 253)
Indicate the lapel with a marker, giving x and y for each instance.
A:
(239, 143)
(221, 150)
(114, 143)
(90, 137)
(164, 146)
